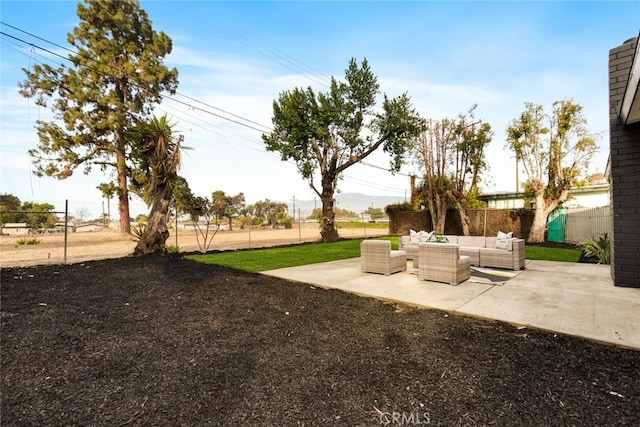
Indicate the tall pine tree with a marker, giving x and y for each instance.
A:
(116, 74)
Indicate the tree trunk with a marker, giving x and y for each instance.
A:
(157, 231)
(536, 234)
(328, 232)
(123, 194)
(464, 218)
(438, 211)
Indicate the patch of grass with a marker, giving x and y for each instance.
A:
(290, 256)
(551, 254)
(257, 260)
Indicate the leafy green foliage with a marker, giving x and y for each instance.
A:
(399, 207)
(226, 206)
(554, 150)
(268, 212)
(32, 241)
(451, 155)
(339, 213)
(35, 215)
(375, 213)
(137, 232)
(156, 153)
(9, 202)
(172, 249)
(599, 248)
(438, 238)
(115, 77)
(326, 133)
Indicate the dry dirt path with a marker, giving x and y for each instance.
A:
(108, 244)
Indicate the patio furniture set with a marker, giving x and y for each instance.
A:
(445, 259)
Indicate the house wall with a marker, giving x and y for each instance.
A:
(14, 229)
(584, 197)
(625, 173)
(506, 203)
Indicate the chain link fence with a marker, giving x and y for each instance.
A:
(22, 246)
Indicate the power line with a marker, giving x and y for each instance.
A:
(289, 62)
(265, 129)
(383, 168)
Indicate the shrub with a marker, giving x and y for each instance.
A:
(172, 249)
(599, 248)
(398, 207)
(138, 232)
(32, 241)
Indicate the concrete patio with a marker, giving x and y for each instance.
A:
(568, 298)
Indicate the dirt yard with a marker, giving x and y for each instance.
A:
(108, 244)
(159, 340)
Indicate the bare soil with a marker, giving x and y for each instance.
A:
(159, 340)
(87, 246)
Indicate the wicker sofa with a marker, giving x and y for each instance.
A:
(481, 251)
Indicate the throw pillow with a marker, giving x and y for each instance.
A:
(502, 240)
(414, 237)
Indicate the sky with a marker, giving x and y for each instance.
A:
(235, 58)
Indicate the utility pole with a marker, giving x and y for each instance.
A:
(293, 211)
(517, 175)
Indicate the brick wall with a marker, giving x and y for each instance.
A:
(625, 173)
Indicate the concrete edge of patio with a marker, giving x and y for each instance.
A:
(567, 298)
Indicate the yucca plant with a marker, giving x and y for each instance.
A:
(138, 232)
(599, 248)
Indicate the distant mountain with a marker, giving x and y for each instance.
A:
(355, 202)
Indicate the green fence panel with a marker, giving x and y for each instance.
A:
(556, 225)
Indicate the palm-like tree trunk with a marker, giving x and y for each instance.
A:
(159, 152)
(157, 231)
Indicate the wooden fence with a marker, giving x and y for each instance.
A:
(581, 223)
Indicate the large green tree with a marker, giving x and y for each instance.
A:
(554, 149)
(116, 75)
(38, 216)
(9, 202)
(157, 158)
(326, 133)
(226, 206)
(268, 212)
(108, 190)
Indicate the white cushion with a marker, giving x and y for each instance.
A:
(414, 237)
(472, 241)
(502, 240)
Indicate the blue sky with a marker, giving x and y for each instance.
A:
(238, 56)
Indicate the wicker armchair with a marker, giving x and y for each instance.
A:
(377, 257)
(441, 262)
